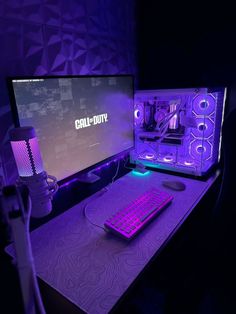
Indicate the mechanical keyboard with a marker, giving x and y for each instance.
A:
(128, 221)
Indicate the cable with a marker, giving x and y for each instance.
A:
(116, 173)
(125, 164)
(104, 190)
(89, 220)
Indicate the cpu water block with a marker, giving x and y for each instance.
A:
(179, 129)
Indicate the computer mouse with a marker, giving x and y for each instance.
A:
(174, 185)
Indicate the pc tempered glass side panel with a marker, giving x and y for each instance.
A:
(178, 130)
(80, 121)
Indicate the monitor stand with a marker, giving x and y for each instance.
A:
(139, 167)
(88, 177)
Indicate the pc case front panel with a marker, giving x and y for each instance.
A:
(178, 130)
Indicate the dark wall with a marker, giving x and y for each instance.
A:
(184, 45)
(62, 37)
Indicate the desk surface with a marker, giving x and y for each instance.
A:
(94, 269)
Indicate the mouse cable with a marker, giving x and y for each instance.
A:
(89, 220)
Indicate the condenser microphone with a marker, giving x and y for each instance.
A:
(29, 163)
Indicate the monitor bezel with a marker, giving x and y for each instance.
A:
(16, 121)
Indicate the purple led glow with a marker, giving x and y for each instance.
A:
(202, 127)
(168, 158)
(205, 128)
(147, 155)
(26, 151)
(188, 163)
(200, 150)
(129, 216)
(173, 124)
(38, 163)
(189, 122)
(204, 104)
(22, 159)
(138, 113)
(27, 156)
(68, 182)
(150, 156)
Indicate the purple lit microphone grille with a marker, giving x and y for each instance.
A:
(22, 159)
(26, 151)
(36, 155)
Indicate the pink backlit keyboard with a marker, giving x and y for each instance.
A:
(128, 221)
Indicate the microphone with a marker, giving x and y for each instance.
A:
(29, 163)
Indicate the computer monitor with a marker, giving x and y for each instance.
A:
(80, 121)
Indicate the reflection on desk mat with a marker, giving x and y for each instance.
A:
(94, 269)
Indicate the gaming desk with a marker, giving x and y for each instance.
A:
(93, 269)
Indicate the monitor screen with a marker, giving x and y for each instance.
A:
(80, 121)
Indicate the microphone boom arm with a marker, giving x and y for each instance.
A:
(17, 214)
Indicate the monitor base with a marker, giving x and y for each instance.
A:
(88, 178)
(140, 168)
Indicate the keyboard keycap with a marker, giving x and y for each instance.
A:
(128, 221)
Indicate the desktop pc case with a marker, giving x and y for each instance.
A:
(178, 129)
